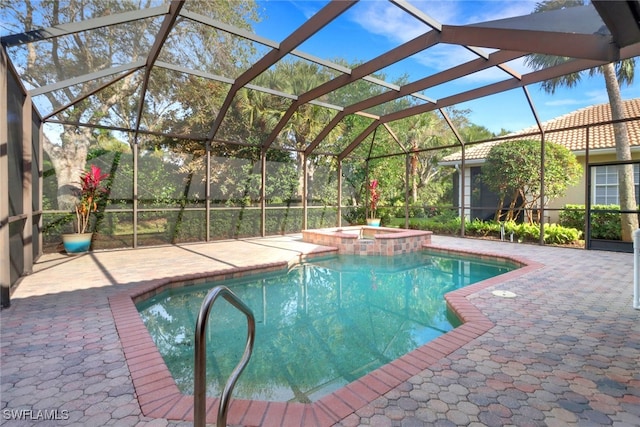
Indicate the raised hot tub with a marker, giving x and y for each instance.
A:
(365, 240)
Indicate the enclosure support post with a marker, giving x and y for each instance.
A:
(636, 269)
(263, 192)
(366, 193)
(207, 192)
(339, 219)
(5, 274)
(542, 161)
(462, 182)
(135, 192)
(407, 166)
(39, 197)
(305, 189)
(27, 190)
(463, 177)
(587, 190)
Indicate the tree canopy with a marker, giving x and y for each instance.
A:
(513, 170)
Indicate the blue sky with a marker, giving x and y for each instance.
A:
(373, 26)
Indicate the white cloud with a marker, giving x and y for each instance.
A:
(494, 10)
(570, 102)
(385, 18)
(307, 8)
(389, 21)
(597, 94)
(563, 102)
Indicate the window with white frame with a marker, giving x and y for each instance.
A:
(605, 184)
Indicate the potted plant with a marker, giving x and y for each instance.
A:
(374, 197)
(91, 190)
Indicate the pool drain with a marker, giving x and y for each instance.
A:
(504, 294)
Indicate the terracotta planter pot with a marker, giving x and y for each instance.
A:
(77, 243)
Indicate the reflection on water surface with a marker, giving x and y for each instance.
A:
(320, 325)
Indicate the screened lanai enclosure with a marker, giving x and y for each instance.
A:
(222, 120)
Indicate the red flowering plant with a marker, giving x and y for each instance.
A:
(91, 190)
(374, 197)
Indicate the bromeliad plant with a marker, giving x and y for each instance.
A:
(374, 197)
(90, 193)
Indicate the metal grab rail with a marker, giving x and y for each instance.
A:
(200, 366)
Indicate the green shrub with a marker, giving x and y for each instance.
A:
(605, 225)
(322, 218)
(605, 221)
(415, 211)
(572, 216)
(398, 209)
(523, 232)
(449, 227)
(356, 215)
(353, 215)
(555, 234)
(385, 215)
(480, 228)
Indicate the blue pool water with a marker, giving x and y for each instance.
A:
(319, 326)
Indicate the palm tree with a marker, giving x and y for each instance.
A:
(422, 132)
(297, 77)
(615, 74)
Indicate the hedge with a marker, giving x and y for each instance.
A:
(605, 221)
(553, 233)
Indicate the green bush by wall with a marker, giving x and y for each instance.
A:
(605, 221)
(522, 232)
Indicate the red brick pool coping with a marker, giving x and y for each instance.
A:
(159, 396)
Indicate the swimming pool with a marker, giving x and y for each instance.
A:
(321, 325)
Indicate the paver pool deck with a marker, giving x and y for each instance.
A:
(565, 351)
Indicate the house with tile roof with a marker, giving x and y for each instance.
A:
(587, 133)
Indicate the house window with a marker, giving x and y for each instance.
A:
(605, 186)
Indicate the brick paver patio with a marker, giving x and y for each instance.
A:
(564, 351)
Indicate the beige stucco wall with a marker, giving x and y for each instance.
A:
(576, 194)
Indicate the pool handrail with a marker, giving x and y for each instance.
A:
(200, 364)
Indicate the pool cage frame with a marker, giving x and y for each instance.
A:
(21, 133)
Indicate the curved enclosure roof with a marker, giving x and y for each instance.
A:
(200, 71)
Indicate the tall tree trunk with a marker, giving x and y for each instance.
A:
(626, 185)
(69, 160)
(300, 165)
(512, 215)
(499, 214)
(311, 171)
